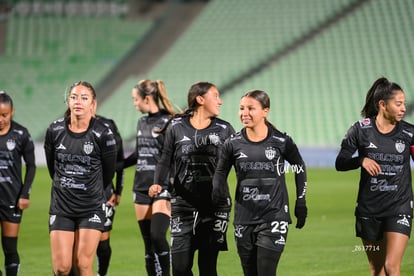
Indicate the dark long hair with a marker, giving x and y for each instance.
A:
(197, 89)
(381, 89)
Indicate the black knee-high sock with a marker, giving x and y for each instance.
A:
(159, 226)
(103, 253)
(145, 226)
(267, 261)
(11, 257)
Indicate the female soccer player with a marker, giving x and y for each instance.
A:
(153, 214)
(384, 207)
(258, 153)
(192, 142)
(15, 143)
(81, 155)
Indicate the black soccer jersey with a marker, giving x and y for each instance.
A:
(14, 145)
(119, 183)
(148, 150)
(390, 193)
(261, 193)
(81, 166)
(194, 153)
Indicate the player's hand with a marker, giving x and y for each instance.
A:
(371, 166)
(23, 203)
(117, 199)
(301, 212)
(154, 190)
(112, 200)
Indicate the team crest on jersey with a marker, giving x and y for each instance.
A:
(214, 138)
(365, 122)
(270, 153)
(399, 146)
(11, 144)
(88, 147)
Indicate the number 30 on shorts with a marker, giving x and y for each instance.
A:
(279, 226)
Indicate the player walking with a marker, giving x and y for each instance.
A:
(258, 153)
(384, 207)
(152, 213)
(192, 143)
(15, 144)
(81, 155)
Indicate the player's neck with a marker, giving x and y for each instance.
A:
(384, 125)
(79, 124)
(5, 130)
(199, 121)
(258, 133)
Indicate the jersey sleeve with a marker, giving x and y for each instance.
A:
(119, 169)
(29, 159)
(221, 195)
(295, 159)
(108, 155)
(346, 160)
(49, 152)
(164, 164)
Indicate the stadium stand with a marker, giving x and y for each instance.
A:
(315, 58)
(46, 54)
(318, 88)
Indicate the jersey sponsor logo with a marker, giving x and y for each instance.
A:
(270, 153)
(61, 147)
(400, 146)
(371, 146)
(238, 231)
(253, 194)
(176, 225)
(52, 219)
(95, 219)
(88, 147)
(365, 123)
(381, 185)
(404, 221)
(242, 155)
(281, 241)
(11, 144)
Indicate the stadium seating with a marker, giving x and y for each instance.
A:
(46, 54)
(317, 86)
(318, 89)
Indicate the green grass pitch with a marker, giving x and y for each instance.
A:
(325, 246)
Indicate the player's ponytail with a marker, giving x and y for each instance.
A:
(381, 89)
(162, 93)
